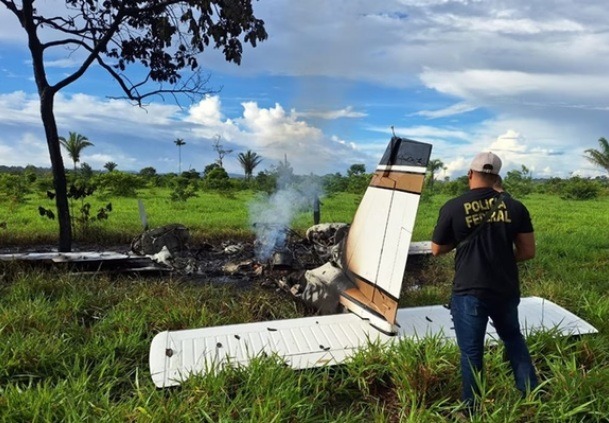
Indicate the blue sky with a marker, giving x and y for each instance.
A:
(525, 79)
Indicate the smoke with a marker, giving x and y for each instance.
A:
(271, 215)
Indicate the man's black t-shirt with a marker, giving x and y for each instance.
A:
(485, 265)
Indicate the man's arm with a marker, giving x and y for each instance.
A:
(438, 249)
(524, 246)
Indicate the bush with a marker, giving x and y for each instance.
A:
(217, 179)
(519, 183)
(578, 188)
(266, 182)
(119, 184)
(334, 183)
(14, 187)
(357, 184)
(456, 187)
(183, 188)
(552, 186)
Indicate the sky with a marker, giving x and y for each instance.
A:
(527, 80)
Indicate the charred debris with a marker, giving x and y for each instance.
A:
(307, 267)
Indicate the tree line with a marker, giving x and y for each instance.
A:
(520, 183)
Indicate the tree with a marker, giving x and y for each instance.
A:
(179, 142)
(74, 145)
(432, 167)
(600, 157)
(159, 39)
(249, 161)
(217, 178)
(86, 171)
(110, 166)
(148, 172)
(284, 172)
(219, 148)
(357, 179)
(356, 169)
(519, 183)
(207, 170)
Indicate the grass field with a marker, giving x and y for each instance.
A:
(209, 215)
(75, 348)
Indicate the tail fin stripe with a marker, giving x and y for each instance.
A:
(357, 278)
(405, 182)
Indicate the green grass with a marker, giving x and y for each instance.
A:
(75, 348)
(209, 215)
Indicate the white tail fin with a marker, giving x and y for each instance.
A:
(377, 245)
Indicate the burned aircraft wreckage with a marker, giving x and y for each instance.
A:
(308, 267)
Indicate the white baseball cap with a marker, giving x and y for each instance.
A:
(486, 162)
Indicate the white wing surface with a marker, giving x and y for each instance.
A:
(325, 340)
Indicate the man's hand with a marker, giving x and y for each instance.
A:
(524, 246)
(437, 249)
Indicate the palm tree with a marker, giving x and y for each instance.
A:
(599, 158)
(74, 145)
(432, 167)
(179, 142)
(249, 160)
(110, 166)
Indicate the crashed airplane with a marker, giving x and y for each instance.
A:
(365, 276)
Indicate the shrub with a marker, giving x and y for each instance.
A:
(14, 187)
(578, 188)
(519, 183)
(266, 182)
(456, 187)
(552, 186)
(183, 188)
(217, 179)
(119, 184)
(358, 183)
(334, 183)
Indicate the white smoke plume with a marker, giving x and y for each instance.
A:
(271, 215)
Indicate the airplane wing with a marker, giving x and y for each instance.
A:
(323, 340)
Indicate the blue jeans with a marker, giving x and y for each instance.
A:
(470, 317)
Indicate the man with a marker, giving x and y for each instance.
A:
(498, 185)
(491, 233)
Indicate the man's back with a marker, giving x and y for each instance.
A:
(485, 265)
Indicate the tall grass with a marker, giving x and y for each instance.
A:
(75, 348)
(209, 215)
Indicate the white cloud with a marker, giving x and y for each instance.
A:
(135, 138)
(347, 112)
(455, 109)
(63, 63)
(508, 24)
(207, 111)
(491, 84)
(510, 142)
(277, 133)
(25, 149)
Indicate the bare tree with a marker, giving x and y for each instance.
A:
(162, 36)
(219, 148)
